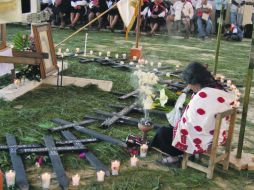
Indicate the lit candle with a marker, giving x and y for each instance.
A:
(151, 63)
(124, 56)
(229, 82)
(222, 78)
(131, 63)
(91, 52)
(45, 178)
(116, 56)
(115, 166)
(134, 161)
(121, 62)
(100, 176)
(100, 53)
(134, 58)
(233, 87)
(143, 150)
(75, 180)
(59, 51)
(159, 64)
(10, 178)
(108, 54)
(77, 50)
(17, 82)
(177, 66)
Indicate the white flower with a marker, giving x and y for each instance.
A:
(148, 103)
(163, 97)
(146, 90)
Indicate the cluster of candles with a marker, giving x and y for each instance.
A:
(108, 54)
(233, 88)
(115, 167)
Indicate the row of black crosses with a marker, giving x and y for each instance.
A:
(54, 148)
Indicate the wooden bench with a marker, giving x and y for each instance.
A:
(212, 153)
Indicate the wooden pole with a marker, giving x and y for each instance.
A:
(89, 23)
(138, 24)
(246, 99)
(218, 40)
(1, 180)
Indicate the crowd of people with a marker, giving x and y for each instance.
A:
(179, 16)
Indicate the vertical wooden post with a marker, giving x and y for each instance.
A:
(218, 40)
(246, 99)
(138, 24)
(1, 180)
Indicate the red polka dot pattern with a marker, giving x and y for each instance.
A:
(184, 120)
(184, 132)
(202, 94)
(198, 128)
(221, 99)
(200, 111)
(197, 141)
(211, 132)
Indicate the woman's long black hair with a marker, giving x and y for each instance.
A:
(197, 73)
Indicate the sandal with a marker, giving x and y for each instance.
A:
(169, 161)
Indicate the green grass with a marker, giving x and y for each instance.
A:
(31, 122)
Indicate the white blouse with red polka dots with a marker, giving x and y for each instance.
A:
(194, 132)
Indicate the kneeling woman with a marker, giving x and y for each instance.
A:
(194, 131)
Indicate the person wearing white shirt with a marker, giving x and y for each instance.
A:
(236, 15)
(183, 12)
(204, 10)
(218, 7)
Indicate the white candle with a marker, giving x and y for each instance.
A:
(134, 58)
(11, 46)
(159, 64)
(100, 176)
(100, 53)
(17, 82)
(229, 82)
(124, 56)
(106, 58)
(59, 51)
(115, 166)
(177, 66)
(167, 74)
(108, 54)
(131, 63)
(146, 62)
(10, 178)
(143, 150)
(75, 180)
(91, 52)
(222, 78)
(121, 62)
(116, 56)
(77, 50)
(134, 161)
(151, 63)
(67, 50)
(233, 87)
(75, 54)
(45, 178)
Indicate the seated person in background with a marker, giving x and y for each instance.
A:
(193, 133)
(96, 7)
(233, 33)
(183, 13)
(156, 13)
(204, 10)
(143, 13)
(63, 7)
(76, 11)
(113, 15)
